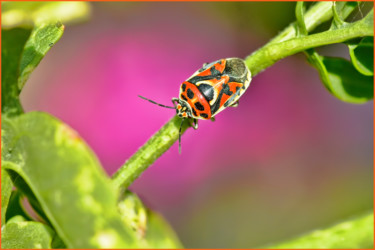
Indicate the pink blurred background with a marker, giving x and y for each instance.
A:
(289, 159)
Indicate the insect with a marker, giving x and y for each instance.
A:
(210, 90)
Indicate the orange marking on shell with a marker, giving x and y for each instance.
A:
(219, 66)
(198, 97)
(232, 87)
(217, 84)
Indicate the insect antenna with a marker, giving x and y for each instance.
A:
(179, 136)
(161, 105)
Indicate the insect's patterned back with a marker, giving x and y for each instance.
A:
(215, 86)
(210, 90)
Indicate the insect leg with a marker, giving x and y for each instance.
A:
(179, 136)
(174, 101)
(195, 124)
(235, 104)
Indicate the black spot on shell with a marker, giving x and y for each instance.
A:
(204, 115)
(183, 97)
(183, 87)
(199, 106)
(190, 94)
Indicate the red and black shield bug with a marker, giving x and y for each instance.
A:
(210, 90)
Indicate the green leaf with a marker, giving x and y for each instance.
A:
(42, 38)
(159, 233)
(28, 13)
(13, 157)
(368, 21)
(16, 219)
(344, 9)
(23, 48)
(24, 188)
(133, 213)
(339, 76)
(21, 51)
(362, 55)
(67, 180)
(337, 21)
(26, 235)
(15, 207)
(356, 233)
(149, 226)
(12, 44)
(341, 10)
(342, 79)
(56, 240)
(6, 190)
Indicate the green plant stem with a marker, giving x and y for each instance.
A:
(160, 142)
(269, 54)
(315, 16)
(283, 45)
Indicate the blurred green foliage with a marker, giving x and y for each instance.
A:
(6, 189)
(149, 226)
(350, 81)
(21, 234)
(357, 233)
(75, 202)
(360, 54)
(67, 166)
(244, 15)
(21, 14)
(12, 44)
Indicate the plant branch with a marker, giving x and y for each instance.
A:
(271, 53)
(149, 152)
(316, 15)
(285, 44)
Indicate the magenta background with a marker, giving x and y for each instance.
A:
(289, 159)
